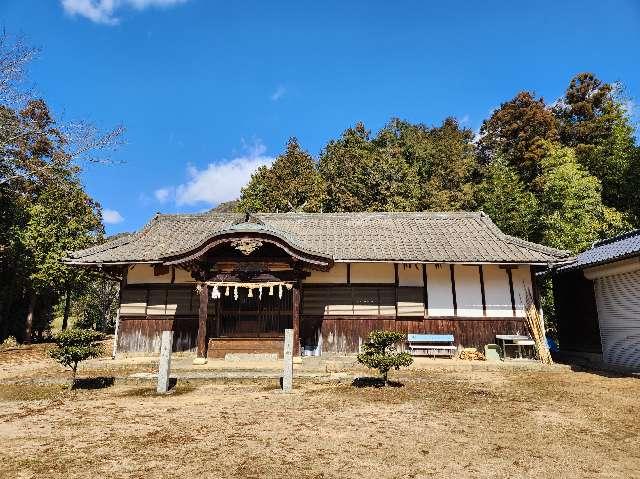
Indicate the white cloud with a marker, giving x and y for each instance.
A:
(279, 93)
(111, 217)
(164, 194)
(465, 119)
(104, 11)
(218, 182)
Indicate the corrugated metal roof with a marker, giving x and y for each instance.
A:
(421, 237)
(606, 251)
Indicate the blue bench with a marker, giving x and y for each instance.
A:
(431, 345)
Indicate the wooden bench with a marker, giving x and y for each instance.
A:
(431, 345)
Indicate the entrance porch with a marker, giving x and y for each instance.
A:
(249, 321)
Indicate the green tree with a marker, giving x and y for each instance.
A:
(292, 183)
(594, 121)
(74, 346)
(518, 132)
(573, 215)
(506, 199)
(96, 305)
(380, 353)
(37, 155)
(361, 176)
(62, 218)
(443, 158)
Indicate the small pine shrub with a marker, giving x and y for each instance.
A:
(380, 353)
(76, 345)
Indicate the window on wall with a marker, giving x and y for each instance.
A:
(358, 300)
(158, 301)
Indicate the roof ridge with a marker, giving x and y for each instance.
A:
(165, 216)
(463, 214)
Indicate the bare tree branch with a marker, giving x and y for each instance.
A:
(15, 56)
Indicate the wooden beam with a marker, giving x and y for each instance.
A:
(295, 313)
(397, 283)
(484, 299)
(511, 291)
(201, 342)
(453, 291)
(426, 291)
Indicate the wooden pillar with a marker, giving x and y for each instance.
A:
(201, 342)
(511, 291)
(295, 313)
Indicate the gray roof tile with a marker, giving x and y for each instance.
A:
(613, 249)
(421, 237)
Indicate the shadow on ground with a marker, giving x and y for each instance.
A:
(371, 382)
(99, 382)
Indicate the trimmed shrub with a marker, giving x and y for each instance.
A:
(380, 353)
(76, 345)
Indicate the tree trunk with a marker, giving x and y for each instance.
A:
(28, 327)
(67, 307)
(73, 375)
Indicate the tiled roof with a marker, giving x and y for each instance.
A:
(421, 237)
(613, 249)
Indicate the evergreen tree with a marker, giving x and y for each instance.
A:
(292, 183)
(573, 215)
(443, 157)
(63, 218)
(594, 121)
(518, 132)
(362, 176)
(506, 199)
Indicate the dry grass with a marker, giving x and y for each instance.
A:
(454, 424)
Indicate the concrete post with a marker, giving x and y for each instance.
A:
(287, 373)
(165, 362)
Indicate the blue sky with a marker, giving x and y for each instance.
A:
(209, 90)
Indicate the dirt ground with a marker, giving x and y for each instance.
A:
(501, 423)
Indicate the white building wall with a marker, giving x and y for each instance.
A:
(143, 274)
(362, 273)
(410, 275)
(496, 291)
(336, 275)
(521, 286)
(468, 291)
(439, 290)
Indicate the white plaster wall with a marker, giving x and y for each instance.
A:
(496, 291)
(337, 274)
(372, 273)
(439, 290)
(410, 275)
(143, 273)
(468, 291)
(183, 276)
(521, 284)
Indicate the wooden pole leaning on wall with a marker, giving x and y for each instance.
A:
(287, 372)
(164, 368)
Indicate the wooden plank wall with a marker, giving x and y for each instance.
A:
(139, 334)
(345, 335)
